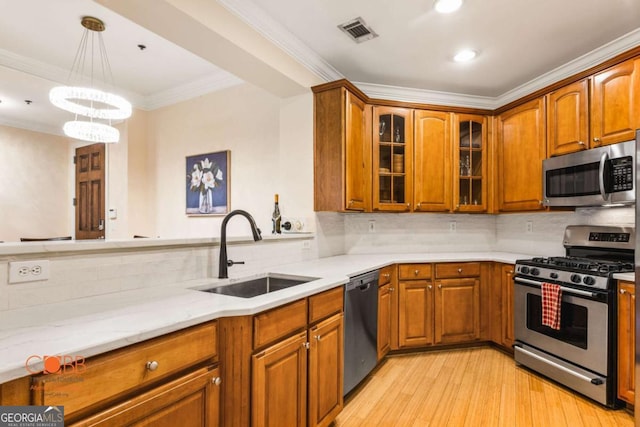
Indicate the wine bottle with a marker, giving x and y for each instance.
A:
(276, 218)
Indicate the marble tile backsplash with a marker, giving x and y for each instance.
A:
(91, 274)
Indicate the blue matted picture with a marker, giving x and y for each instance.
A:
(208, 183)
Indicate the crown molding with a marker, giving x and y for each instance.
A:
(32, 126)
(217, 81)
(264, 24)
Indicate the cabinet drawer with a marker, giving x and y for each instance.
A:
(279, 322)
(107, 376)
(325, 304)
(386, 275)
(457, 269)
(414, 271)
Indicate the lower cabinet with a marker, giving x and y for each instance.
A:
(387, 311)
(443, 309)
(298, 380)
(192, 400)
(502, 324)
(626, 341)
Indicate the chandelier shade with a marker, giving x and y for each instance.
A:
(91, 131)
(84, 100)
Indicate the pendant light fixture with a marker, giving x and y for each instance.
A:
(85, 100)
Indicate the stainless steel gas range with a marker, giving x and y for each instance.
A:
(581, 353)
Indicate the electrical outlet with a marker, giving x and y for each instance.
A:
(452, 226)
(372, 226)
(306, 244)
(529, 228)
(28, 271)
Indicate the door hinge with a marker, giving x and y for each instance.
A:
(74, 201)
(74, 160)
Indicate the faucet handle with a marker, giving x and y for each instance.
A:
(231, 262)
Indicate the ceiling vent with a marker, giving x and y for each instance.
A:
(358, 30)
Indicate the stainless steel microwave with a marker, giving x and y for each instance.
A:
(598, 177)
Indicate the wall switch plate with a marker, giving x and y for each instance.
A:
(452, 226)
(28, 271)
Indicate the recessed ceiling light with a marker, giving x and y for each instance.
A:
(465, 55)
(447, 6)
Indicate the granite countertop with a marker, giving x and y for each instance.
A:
(89, 326)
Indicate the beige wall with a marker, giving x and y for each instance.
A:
(271, 143)
(34, 193)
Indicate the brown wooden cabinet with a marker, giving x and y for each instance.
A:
(457, 310)
(298, 379)
(502, 325)
(342, 149)
(387, 309)
(192, 401)
(392, 159)
(415, 313)
(432, 171)
(626, 341)
(520, 150)
(568, 119)
(470, 163)
(615, 103)
(279, 384)
(109, 380)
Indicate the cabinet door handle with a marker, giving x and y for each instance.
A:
(306, 345)
(440, 286)
(418, 206)
(510, 272)
(152, 365)
(216, 381)
(622, 291)
(386, 275)
(390, 289)
(350, 203)
(318, 337)
(596, 140)
(430, 287)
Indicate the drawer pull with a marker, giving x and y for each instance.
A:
(459, 270)
(390, 289)
(152, 366)
(416, 272)
(386, 275)
(216, 381)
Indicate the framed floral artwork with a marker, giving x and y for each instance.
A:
(208, 183)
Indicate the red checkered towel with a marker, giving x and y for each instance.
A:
(551, 301)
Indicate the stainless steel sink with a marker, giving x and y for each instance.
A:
(255, 286)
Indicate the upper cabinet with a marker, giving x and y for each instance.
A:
(470, 158)
(342, 151)
(432, 170)
(520, 150)
(615, 103)
(568, 119)
(392, 159)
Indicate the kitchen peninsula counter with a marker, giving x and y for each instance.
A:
(89, 326)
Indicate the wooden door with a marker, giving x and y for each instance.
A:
(392, 159)
(568, 119)
(615, 103)
(626, 341)
(190, 401)
(415, 313)
(520, 151)
(384, 320)
(506, 281)
(432, 172)
(279, 384)
(90, 189)
(357, 155)
(326, 371)
(457, 310)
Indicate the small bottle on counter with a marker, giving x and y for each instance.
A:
(276, 218)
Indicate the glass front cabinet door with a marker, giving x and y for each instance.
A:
(470, 163)
(392, 155)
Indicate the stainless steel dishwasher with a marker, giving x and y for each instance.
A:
(360, 328)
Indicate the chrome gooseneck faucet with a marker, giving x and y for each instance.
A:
(224, 263)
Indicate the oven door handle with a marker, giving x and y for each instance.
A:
(563, 288)
(594, 381)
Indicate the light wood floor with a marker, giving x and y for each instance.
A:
(468, 387)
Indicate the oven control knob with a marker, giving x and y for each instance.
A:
(524, 269)
(575, 278)
(588, 280)
(535, 272)
(553, 275)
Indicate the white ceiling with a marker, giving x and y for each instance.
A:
(518, 41)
